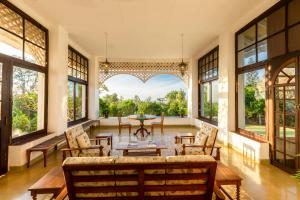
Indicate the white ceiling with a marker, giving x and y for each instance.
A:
(143, 29)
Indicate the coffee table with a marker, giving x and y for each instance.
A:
(142, 148)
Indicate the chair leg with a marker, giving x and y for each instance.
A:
(129, 129)
(152, 129)
(120, 130)
(162, 129)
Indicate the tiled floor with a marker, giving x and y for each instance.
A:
(261, 181)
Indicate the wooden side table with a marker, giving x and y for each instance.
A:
(225, 176)
(107, 136)
(51, 183)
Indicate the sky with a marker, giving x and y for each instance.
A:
(158, 86)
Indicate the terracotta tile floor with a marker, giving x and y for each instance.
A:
(261, 181)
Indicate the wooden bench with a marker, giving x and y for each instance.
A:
(45, 147)
(226, 176)
(51, 183)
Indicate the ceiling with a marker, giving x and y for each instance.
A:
(143, 29)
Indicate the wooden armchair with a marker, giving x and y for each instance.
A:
(123, 124)
(203, 143)
(158, 124)
(90, 150)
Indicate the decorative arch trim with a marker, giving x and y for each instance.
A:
(142, 70)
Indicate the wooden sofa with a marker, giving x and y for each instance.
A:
(174, 177)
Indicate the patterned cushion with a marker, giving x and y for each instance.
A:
(179, 149)
(89, 153)
(71, 135)
(83, 140)
(194, 151)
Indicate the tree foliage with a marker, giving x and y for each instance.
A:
(174, 104)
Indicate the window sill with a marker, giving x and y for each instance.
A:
(29, 138)
(73, 123)
(208, 121)
(251, 136)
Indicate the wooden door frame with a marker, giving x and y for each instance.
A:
(5, 115)
(276, 66)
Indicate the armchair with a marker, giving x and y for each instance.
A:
(203, 143)
(86, 147)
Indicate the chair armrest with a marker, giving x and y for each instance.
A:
(79, 149)
(178, 138)
(65, 150)
(218, 193)
(62, 195)
(218, 154)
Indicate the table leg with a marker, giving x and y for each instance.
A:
(238, 192)
(28, 158)
(125, 152)
(45, 158)
(34, 195)
(158, 152)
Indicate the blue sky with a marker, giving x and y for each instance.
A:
(157, 87)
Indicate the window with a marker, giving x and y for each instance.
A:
(208, 86)
(21, 37)
(251, 102)
(24, 44)
(273, 34)
(265, 37)
(28, 101)
(77, 87)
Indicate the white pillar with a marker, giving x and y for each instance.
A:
(41, 101)
(58, 80)
(193, 89)
(226, 111)
(93, 88)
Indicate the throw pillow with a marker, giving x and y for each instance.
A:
(83, 140)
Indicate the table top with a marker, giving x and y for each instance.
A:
(226, 176)
(141, 117)
(53, 180)
(141, 145)
(104, 135)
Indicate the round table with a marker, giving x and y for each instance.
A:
(141, 118)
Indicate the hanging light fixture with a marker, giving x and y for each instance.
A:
(182, 66)
(106, 64)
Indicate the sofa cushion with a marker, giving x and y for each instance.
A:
(83, 140)
(71, 135)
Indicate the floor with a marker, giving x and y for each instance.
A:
(260, 181)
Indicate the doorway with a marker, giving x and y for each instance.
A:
(286, 115)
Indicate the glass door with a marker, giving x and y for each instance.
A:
(286, 106)
(4, 111)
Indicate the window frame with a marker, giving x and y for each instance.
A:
(31, 66)
(209, 81)
(75, 81)
(262, 64)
